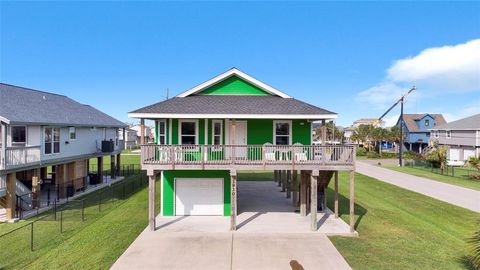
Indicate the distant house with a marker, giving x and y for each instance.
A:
(417, 129)
(130, 139)
(368, 121)
(149, 134)
(461, 136)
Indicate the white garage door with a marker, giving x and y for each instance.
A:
(454, 154)
(198, 196)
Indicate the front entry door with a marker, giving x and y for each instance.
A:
(240, 138)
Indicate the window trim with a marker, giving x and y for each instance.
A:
(53, 141)
(11, 135)
(436, 134)
(70, 133)
(180, 121)
(289, 122)
(427, 122)
(213, 132)
(164, 130)
(448, 134)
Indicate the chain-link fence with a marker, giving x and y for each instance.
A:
(50, 227)
(454, 171)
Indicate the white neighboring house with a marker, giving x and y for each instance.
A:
(39, 130)
(462, 138)
(130, 139)
(149, 136)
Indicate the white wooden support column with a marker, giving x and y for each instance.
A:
(324, 132)
(142, 131)
(4, 146)
(336, 194)
(289, 184)
(151, 199)
(352, 201)
(233, 200)
(303, 194)
(313, 203)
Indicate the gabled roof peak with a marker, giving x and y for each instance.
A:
(234, 72)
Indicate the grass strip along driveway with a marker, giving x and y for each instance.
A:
(460, 178)
(400, 229)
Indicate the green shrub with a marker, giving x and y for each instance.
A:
(475, 249)
(361, 151)
(412, 155)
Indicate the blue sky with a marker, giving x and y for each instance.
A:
(354, 58)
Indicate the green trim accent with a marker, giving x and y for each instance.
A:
(169, 194)
(156, 131)
(174, 131)
(234, 86)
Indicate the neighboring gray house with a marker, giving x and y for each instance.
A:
(39, 130)
(461, 136)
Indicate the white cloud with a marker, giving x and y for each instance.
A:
(438, 70)
(469, 110)
(450, 68)
(384, 94)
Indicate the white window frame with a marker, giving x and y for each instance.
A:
(427, 122)
(213, 131)
(53, 141)
(448, 134)
(18, 143)
(289, 122)
(164, 132)
(180, 129)
(70, 133)
(436, 134)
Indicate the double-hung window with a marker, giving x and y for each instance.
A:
(282, 132)
(19, 135)
(161, 132)
(52, 140)
(72, 131)
(188, 132)
(435, 134)
(448, 134)
(217, 132)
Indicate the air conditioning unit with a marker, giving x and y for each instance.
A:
(108, 146)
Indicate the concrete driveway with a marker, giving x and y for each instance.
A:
(184, 250)
(270, 235)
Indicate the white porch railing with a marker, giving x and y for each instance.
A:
(244, 155)
(19, 156)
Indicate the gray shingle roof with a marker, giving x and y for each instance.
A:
(228, 104)
(412, 125)
(468, 123)
(24, 105)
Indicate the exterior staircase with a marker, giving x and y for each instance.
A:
(25, 194)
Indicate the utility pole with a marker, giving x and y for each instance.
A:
(400, 157)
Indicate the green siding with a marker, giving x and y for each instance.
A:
(168, 187)
(174, 131)
(301, 132)
(201, 131)
(156, 132)
(259, 131)
(234, 86)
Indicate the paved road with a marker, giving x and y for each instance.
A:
(184, 250)
(460, 196)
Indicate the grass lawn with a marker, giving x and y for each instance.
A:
(93, 244)
(400, 229)
(460, 178)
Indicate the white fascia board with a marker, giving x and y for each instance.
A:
(4, 120)
(232, 116)
(229, 73)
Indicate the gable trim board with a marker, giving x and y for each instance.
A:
(232, 116)
(226, 75)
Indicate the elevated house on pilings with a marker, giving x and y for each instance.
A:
(230, 123)
(46, 142)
